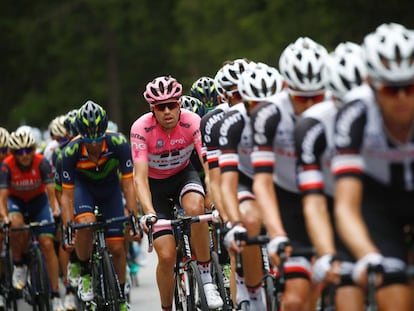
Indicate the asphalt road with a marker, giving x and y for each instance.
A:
(144, 296)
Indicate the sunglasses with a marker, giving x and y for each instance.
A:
(93, 140)
(303, 99)
(170, 106)
(393, 90)
(27, 150)
(4, 150)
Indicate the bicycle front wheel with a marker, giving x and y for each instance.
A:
(196, 297)
(9, 292)
(39, 282)
(109, 286)
(217, 274)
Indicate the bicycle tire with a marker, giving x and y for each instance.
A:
(217, 274)
(7, 287)
(39, 283)
(109, 287)
(270, 293)
(179, 290)
(196, 298)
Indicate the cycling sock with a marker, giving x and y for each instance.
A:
(166, 308)
(204, 268)
(55, 294)
(84, 267)
(241, 291)
(255, 292)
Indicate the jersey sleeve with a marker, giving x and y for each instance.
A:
(230, 134)
(138, 138)
(265, 120)
(210, 131)
(4, 176)
(123, 153)
(46, 171)
(69, 158)
(349, 132)
(310, 143)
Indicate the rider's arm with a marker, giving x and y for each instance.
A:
(67, 201)
(264, 191)
(3, 203)
(351, 226)
(142, 188)
(127, 184)
(229, 183)
(51, 194)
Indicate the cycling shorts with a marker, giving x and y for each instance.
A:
(35, 210)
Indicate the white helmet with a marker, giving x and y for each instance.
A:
(389, 53)
(301, 65)
(21, 138)
(57, 127)
(229, 74)
(260, 83)
(345, 68)
(4, 137)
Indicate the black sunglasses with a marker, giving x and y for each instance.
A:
(170, 106)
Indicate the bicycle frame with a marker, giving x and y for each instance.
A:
(101, 261)
(185, 262)
(39, 287)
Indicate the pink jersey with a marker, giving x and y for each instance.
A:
(166, 153)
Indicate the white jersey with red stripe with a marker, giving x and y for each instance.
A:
(315, 147)
(274, 146)
(210, 127)
(166, 153)
(235, 140)
(364, 146)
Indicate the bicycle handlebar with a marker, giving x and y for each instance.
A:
(168, 223)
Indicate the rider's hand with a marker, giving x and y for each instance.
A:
(229, 241)
(359, 275)
(274, 248)
(68, 247)
(147, 219)
(327, 269)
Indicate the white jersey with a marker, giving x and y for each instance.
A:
(365, 147)
(314, 138)
(235, 140)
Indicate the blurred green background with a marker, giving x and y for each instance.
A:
(55, 55)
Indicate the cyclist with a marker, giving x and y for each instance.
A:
(274, 160)
(344, 69)
(58, 135)
(4, 151)
(205, 90)
(374, 163)
(4, 143)
(68, 261)
(162, 142)
(235, 167)
(26, 187)
(90, 165)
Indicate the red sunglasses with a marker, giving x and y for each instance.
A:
(393, 90)
(303, 99)
(170, 106)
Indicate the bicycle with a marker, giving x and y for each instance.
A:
(107, 290)
(274, 282)
(37, 289)
(217, 251)
(6, 287)
(188, 290)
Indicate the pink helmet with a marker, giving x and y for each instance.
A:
(162, 89)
